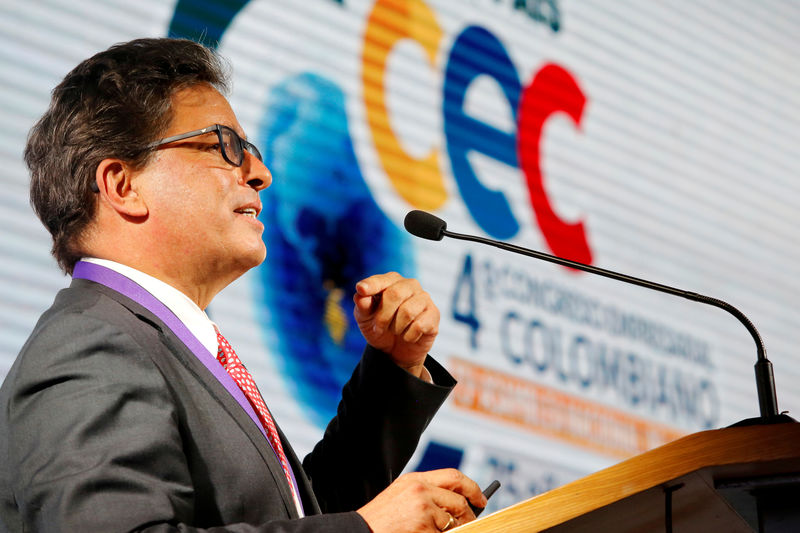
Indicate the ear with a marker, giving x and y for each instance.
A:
(114, 179)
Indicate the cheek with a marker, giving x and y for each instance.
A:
(182, 212)
(192, 197)
(182, 195)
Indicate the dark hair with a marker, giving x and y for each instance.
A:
(111, 105)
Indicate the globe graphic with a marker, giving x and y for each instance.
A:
(324, 233)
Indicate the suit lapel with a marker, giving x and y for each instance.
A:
(310, 504)
(223, 396)
(213, 382)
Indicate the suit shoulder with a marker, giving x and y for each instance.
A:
(86, 327)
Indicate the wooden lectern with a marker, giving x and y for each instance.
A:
(737, 479)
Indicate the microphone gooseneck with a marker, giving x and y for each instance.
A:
(428, 226)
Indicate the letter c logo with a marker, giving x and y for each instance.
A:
(553, 89)
(418, 181)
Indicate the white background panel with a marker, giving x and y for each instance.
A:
(684, 171)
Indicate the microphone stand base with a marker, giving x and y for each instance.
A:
(765, 420)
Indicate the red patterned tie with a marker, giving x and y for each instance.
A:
(228, 358)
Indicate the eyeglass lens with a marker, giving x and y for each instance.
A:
(233, 147)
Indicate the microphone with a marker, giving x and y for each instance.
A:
(427, 226)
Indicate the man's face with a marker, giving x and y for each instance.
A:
(204, 210)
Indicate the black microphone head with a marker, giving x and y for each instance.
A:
(425, 225)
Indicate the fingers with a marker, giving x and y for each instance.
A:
(369, 293)
(397, 305)
(450, 524)
(424, 501)
(397, 316)
(377, 283)
(383, 291)
(410, 319)
(455, 482)
(453, 504)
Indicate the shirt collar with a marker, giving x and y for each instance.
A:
(195, 319)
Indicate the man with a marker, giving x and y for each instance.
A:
(127, 409)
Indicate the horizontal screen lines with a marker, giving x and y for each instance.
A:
(668, 170)
(648, 84)
(676, 31)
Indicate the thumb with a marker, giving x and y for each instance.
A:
(366, 305)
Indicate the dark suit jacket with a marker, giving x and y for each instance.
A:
(109, 423)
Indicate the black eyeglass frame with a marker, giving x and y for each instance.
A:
(243, 145)
(219, 129)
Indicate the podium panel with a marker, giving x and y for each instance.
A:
(737, 479)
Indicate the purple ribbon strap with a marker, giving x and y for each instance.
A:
(127, 287)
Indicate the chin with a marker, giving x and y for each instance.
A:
(244, 255)
(256, 256)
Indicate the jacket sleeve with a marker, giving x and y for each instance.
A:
(379, 421)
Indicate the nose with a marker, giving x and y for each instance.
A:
(255, 173)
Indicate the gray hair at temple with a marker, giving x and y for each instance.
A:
(112, 105)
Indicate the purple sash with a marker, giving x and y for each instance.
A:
(127, 287)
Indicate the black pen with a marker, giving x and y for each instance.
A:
(488, 491)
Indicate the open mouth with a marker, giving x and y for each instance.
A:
(248, 212)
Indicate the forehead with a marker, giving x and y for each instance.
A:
(199, 106)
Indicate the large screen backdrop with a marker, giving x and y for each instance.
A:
(655, 138)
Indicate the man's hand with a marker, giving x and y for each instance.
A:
(423, 502)
(398, 317)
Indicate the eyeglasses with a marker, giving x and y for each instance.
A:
(230, 144)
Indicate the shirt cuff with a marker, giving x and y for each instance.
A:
(426, 376)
